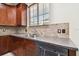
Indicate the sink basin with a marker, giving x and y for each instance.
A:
(25, 35)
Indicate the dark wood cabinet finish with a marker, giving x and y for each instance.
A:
(5, 44)
(3, 15)
(13, 15)
(18, 46)
(71, 52)
(25, 47)
(21, 13)
(28, 47)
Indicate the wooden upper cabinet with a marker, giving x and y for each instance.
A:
(3, 15)
(13, 15)
(22, 14)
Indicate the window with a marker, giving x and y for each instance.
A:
(39, 14)
(33, 15)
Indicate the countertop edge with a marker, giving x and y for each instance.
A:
(49, 43)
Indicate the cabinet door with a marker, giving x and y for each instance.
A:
(4, 42)
(25, 47)
(21, 14)
(2, 49)
(24, 14)
(19, 42)
(3, 15)
(31, 48)
(11, 14)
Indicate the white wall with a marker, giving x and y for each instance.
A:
(67, 12)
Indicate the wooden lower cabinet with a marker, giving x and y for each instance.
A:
(5, 44)
(71, 52)
(31, 48)
(25, 51)
(18, 46)
(27, 47)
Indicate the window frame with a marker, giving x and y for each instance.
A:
(37, 15)
(30, 14)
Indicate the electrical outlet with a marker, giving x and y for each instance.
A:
(63, 31)
(58, 30)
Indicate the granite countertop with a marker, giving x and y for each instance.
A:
(65, 42)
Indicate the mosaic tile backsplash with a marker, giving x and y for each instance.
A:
(54, 30)
(6, 30)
